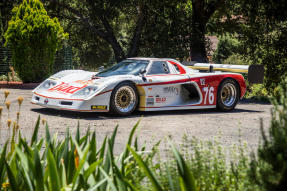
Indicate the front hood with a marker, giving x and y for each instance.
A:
(115, 79)
(70, 86)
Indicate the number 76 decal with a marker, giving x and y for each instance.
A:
(209, 91)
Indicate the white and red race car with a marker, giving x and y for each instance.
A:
(145, 84)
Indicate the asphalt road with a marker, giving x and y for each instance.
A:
(154, 126)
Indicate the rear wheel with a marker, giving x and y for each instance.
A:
(228, 94)
(124, 99)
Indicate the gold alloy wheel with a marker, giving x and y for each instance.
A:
(125, 99)
(228, 94)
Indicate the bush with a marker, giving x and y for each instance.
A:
(257, 92)
(227, 46)
(269, 169)
(34, 38)
(213, 166)
(237, 59)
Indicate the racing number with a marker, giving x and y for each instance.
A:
(210, 92)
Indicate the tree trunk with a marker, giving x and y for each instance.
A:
(197, 43)
(117, 49)
(134, 44)
(201, 13)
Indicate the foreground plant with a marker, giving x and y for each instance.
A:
(269, 167)
(76, 163)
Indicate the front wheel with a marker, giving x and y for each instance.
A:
(228, 94)
(124, 99)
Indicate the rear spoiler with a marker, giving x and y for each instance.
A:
(255, 73)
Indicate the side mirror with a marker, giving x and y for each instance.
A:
(101, 68)
(142, 72)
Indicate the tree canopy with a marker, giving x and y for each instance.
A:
(105, 31)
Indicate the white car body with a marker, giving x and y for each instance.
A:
(181, 88)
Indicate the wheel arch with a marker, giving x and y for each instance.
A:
(137, 93)
(122, 82)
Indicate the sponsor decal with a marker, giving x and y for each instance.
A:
(171, 89)
(84, 82)
(66, 88)
(46, 101)
(202, 81)
(150, 101)
(150, 80)
(149, 89)
(98, 107)
(160, 99)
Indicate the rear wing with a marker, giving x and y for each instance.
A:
(255, 73)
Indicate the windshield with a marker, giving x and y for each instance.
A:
(126, 67)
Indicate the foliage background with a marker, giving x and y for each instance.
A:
(103, 32)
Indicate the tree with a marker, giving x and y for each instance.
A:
(166, 32)
(202, 10)
(6, 7)
(34, 38)
(105, 19)
(146, 28)
(264, 34)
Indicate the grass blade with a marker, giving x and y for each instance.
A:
(110, 182)
(81, 165)
(147, 171)
(38, 171)
(53, 172)
(186, 177)
(92, 168)
(126, 152)
(11, 177)
(24, 160)
(2, 163)
(35, 133)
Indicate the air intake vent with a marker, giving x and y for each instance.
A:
(66, 103)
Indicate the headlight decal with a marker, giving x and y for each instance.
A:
(85, 92)
(48, 84)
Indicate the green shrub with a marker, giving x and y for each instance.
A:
(257, 92)
(269, 169)
(227, 46)
(237, 59)
(214, 167)
(34, 38)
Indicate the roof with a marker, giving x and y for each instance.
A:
(147, 58)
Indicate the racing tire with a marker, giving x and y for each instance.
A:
(228, 95)
(124, 99)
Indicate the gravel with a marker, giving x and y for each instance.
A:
(244, 121)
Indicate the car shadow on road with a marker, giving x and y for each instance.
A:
(136, 114)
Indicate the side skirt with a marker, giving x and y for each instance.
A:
(166, 108)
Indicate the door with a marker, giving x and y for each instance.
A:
(163, 86)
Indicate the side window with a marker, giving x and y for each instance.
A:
(158, 67)
(176, 67)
